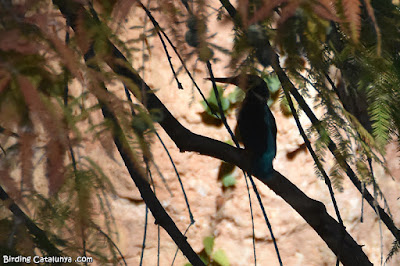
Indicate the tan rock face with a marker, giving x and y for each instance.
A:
(225, 213)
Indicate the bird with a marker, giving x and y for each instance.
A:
(256, 123)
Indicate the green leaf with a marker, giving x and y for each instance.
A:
(204, 258)
(285, 108)
(229, 180)
(212, 101)
(220, 257)
(208, 243)
(230, 142)
(225, 104)
(273, 83)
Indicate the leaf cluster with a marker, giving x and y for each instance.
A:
(211, 257)
(47, 124)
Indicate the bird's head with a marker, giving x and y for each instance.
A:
(249, 84)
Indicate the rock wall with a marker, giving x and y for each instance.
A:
(225, 213)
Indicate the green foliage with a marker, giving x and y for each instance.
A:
(274, 86)
(229, 180)
(309, 37)
(208, 243)
(236, 97)
(196, 37)
(72, 210)
(336, 175)
(337, 57)
(273, 83)
(37, 66)
(227, 174)
(226, 102)
(211, 257)
(284, 106)
(220, 258)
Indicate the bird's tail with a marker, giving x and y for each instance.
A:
(262, 166)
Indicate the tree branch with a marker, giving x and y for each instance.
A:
(312, 211)
(39, 236)
(285, 81)
(70, 10)
(288, 85)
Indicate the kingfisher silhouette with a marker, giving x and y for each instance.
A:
(256, 123)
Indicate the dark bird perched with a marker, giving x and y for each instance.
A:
(256, 123)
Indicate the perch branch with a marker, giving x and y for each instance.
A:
(312, 211)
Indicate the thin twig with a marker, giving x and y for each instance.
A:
(157, 26)
(178, 176)
(70, 10)
(335, 152)
(376, 196)
(145, 227)
(111, 241)
(71, 151)
(252, 219)
(320, 168)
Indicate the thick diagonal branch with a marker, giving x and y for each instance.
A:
(312, 211)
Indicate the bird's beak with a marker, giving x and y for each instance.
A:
(230, 80)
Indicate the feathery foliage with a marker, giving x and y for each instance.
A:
(342, 55)
(50, 127)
